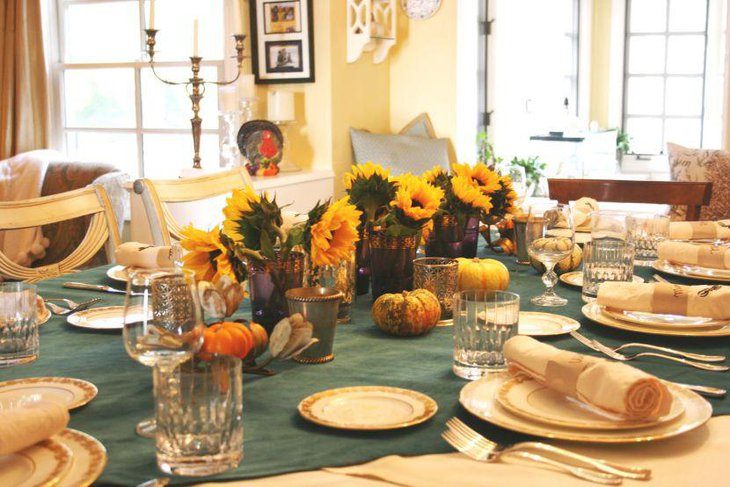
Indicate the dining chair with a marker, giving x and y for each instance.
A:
(693, 195)
(156, 194)
(91, 201)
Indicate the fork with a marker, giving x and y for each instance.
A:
(482, 453)
(58, 310)
(73, 304)
(637, 473)
(609, 352)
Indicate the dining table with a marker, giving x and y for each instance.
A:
(277, 440)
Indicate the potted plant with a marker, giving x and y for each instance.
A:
(533, 172)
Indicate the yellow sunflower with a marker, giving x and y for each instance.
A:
(468, 193)
(335, 234)
(432, 174)
(238, 204)
(202, 248)
(418, 199)
(366, 171)
(480, 174)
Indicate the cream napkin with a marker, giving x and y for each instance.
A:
(26, 425)
(699, 230)
(135, 254)
(613, 387)
(703, 255)
(711, 301)
(582, 209)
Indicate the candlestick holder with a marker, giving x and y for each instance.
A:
(195, 86)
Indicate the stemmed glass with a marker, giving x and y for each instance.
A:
(163, 321)
(550, 237)
(519, 182)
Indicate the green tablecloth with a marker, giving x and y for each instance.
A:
(277, 440)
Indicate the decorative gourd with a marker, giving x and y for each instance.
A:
(482, 274)
(568, 264)
(226, 338)
(409, 313)
(260, 340)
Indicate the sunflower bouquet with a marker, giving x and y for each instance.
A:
(371, 189)
(412, 207)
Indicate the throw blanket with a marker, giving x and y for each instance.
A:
(611, 386)
(21, 178)
(704, 255)
(699, 230)
(25, 425)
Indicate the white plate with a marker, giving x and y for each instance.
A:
(104, 318)
(72, 393)
(593, 312)
(656, 320)
(42, 464)
(535, 323)
(118, 273)
(528, 398)
(575, 278)
(692, 272)
(43, 318)
(368, 408)
(479, 398)
(89, 458)
(582, 237)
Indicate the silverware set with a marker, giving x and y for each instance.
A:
(71, 306)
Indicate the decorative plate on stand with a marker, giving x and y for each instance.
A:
(261, 143)
(420, 9)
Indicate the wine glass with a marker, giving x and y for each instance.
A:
(519, 181)
(550, 237)
(163, 321)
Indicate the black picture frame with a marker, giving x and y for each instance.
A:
(296, 46)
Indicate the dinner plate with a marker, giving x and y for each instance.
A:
(657, 320)
(118, 273)
(526, 397)
(72, 393)
(42, 464)
(593, 312)
(582, 237)
(692, 272)
(367, 408)
(479, 398)
(535, 323)
(103, 318)
(89, 458)
(39, 320)
(575, 278)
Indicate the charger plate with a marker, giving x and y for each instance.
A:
(72, 393)
(42, 464)
(656, 320)
(89, 458)
(575, 278)
(480, 399)
(692, 271)
(528, 398)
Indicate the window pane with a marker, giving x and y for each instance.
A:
(646, 54)
(686, 54)
(166, 106)
(648, 15)
(645, 96)
(681, 131)
(684, 96)
(92, 37)
(646, 135)
(687, 15)
(119, 149)
(174, 19)
(165, 155)
(99, 98)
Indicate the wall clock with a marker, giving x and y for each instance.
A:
(420, 9)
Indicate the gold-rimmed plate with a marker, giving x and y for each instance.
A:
(528, 398)
(536, 323)
(692, 272)
(70, 392)
(368, 408)
(479, 398)
(42, 464)
(118, 273)
(41, 318)
(575, 278)
(593, 312)
(102, 318)
(656, 320)
(89, 456)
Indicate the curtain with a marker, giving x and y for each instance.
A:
(23, 90)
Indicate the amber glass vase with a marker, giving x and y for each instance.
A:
(450, 239)
(268, 282)
(391, 263)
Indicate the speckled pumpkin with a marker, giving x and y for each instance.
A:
(487, 274)
(409, 313)
(570, 263)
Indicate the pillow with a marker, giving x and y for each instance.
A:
(420, 126)
(403, 153)
(687, 164)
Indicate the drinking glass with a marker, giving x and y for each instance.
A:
(483, 322)
(648, 231)
(550, 237)
(519, 181)
(163, 321)
(612, 225)
(606, 260)
(18, 328)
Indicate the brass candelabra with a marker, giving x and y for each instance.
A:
(195, 86)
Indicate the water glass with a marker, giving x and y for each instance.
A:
(606, 260)
(439, 275)
(483, 322)
(18, 328)
(199, 413)
(648, 231)
(611, 225)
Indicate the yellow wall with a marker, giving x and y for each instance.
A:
(600, 62)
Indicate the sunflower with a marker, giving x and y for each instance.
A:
(416, 198)
(370, 189)
(333, 237)
(239, 204)
(366, 171)
(433, 174)
(469, 194)
(487, 180)
(206, 255)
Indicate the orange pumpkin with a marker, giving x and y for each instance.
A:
(226, 338)
(260, 340)
(406, 314)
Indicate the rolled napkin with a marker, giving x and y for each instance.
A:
(135, 254)
(582, 209)
(699, 230)
(611, 386)
(710, 301)
(703, 255)
(27, 424)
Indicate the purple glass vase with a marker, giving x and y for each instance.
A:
(268, 282)
(391, 263)
(449, 239)
(362, 261)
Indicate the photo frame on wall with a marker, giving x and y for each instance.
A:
(282, 41)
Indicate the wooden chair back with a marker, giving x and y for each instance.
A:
(156, 194)
(90, 201)
(693, 195)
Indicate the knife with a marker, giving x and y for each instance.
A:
(93, 287)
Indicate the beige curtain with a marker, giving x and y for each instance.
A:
(23, 90)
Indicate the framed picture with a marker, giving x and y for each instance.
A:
(282, 41)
